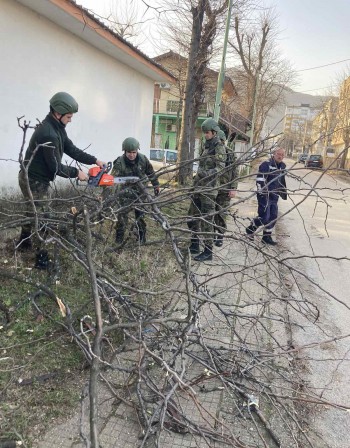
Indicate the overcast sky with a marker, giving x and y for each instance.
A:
(313, 33)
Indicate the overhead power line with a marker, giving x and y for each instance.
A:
(320, 88)
(321, 66)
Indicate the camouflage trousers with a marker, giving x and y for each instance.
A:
(41, 197)
(202, 209)
(222, 202)
(130, 202)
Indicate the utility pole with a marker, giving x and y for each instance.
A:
(255, 101)
(222, 68)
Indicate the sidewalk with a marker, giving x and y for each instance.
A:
(244, 284)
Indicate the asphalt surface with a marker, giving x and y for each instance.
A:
(319, 229)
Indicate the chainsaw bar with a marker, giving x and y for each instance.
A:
(99, 177)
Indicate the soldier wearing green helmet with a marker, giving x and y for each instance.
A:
(64, 103)
(132, 163)
(227, 191)
(222, 136)
(206, 184)
(43, 158)
(210, 125)
(130, 144)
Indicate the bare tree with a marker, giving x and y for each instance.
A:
(126, 20)
(323, 127)
(264, 74)
(343, 120)
(198, 22)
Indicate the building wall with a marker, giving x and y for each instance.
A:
(165, 96)
(298, 121)
(40, 58)
(166, 138)
(317, 132)
(343, 118)
(323, 132)
(168, 98)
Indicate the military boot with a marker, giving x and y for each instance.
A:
(219, 240)
(250, 231)
(267, 239)
(42, 259)
(24, 242)
(119, 236)
(142, 236)
(194, 247)
(206, 255)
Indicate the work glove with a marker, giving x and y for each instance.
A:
(201, 173)
(156, 191)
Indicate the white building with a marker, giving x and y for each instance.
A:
(296, 117)
(55, 45)
(298, 127)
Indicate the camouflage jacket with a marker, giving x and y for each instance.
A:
(228, 178)
(210, 166)
(140, 167)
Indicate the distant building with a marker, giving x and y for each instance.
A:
(167, 106)
(323, 127)
(341, 136)
(298, 127)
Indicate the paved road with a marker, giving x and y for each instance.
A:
(319, 228)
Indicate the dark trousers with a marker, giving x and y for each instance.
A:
(41, 197)
(267, 212)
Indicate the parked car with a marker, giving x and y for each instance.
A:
(302, 157)
(314, 161)
(162, 158)
(156, 156)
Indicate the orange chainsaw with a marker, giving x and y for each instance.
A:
(99, 177)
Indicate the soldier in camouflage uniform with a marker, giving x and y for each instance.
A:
(43, 159)
(132, 163)
(206, 184)
(228, 181)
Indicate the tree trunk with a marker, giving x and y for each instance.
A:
(345, 153)
(191, 85)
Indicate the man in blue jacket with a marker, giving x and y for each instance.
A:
(271, 184)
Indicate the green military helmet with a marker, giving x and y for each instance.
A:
(222, 135)
(130, 144)
(63, 103)
(210, 125)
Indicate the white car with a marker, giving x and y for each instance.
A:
(161, 158)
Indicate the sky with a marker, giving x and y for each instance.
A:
(314, 37)
(315, 33)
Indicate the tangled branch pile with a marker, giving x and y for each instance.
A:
(186, 351)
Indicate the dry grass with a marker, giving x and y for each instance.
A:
(42, 370)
